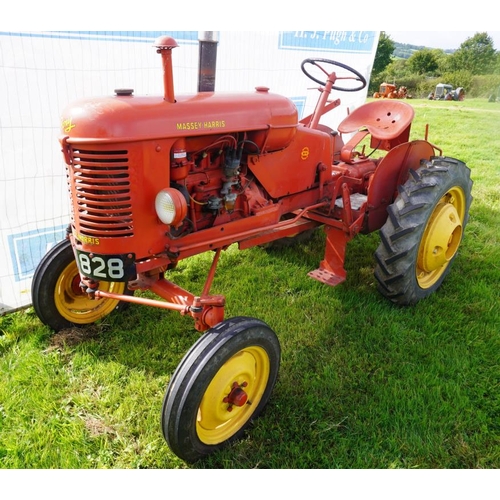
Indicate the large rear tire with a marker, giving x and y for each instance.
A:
(423, 231)
(221, 385)
(57, 298)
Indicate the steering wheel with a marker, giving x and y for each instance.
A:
(358, 76)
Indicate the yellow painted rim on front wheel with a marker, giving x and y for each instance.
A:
(74, 305)
(217, 420)
(441, 238)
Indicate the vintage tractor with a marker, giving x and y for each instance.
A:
(446, 92)
(391, 91)
(154, 180)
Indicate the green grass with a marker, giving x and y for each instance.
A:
(362, 384)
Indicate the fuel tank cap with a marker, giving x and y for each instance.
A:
(124, 91)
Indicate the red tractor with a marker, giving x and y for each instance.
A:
(391, 91)
(154, 180)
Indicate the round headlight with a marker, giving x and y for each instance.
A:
(171, 206)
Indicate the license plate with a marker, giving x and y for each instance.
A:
(119, 267)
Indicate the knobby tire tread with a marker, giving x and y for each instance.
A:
(396, 255)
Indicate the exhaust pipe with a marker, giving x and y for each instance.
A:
(207, 60)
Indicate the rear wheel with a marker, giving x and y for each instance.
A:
(423, 231)
(57, 297)
(221, 385)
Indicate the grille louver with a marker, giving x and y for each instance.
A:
(101, 183)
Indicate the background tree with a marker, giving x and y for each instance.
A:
(476, 55)
(423, 62)
(475, 66)
(383, 56)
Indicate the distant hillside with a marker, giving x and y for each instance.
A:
(404, 50)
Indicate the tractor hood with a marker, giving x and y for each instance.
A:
(127, 117)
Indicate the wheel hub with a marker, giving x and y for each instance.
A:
(232, 395)
(237, 396)
(73, 303)
(75, 285)
(442, 238)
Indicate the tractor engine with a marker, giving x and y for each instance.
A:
(212, 175)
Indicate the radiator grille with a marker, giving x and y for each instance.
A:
(101, 184)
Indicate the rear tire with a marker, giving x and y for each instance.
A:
(423, 231)
(221, 385)
(57, 298)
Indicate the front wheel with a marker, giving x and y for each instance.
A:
(56, 295)
(423, 231)
(221, 385)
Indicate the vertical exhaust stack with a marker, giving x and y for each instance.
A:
(207, 60)
(164, 46)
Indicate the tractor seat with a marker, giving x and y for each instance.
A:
(385, 120)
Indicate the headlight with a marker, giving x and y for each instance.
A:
(171, 206)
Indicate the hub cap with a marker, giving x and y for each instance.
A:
(74, 305)
(441, 237)
(233, 395)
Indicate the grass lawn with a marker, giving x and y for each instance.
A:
(363, 384)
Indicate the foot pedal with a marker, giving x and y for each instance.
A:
(326, 277)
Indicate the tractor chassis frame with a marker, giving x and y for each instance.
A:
(208, 310)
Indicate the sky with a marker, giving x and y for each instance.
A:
(440, 39)
(264, 15)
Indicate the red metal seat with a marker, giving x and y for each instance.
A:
(388, 122)
(384, 120)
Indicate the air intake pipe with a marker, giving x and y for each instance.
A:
(164, 46)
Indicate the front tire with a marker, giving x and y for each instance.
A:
(221, 385)
(56, 295)
(423, 231)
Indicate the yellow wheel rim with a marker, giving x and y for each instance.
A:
(441, 238)
(74, 305)
(245, 376)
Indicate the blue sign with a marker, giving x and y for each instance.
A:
(28, 248)
(335, 41)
